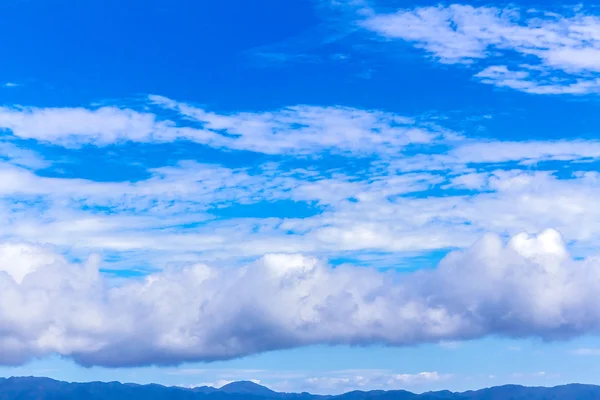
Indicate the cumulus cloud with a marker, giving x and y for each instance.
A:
(551, 53)
(527, 287)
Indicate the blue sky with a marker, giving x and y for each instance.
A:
(317, 195)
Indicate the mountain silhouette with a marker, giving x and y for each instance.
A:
(32, 388)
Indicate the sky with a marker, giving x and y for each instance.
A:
(316, 195)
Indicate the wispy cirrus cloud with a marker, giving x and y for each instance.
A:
(300, 129)
(550, 51)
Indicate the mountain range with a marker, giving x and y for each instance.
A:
(32, 388)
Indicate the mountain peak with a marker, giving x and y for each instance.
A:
(247, 387)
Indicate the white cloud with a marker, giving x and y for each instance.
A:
(167, 215)
(19, 260)
(527, 151)
(21, 157)
(305, 129)
(432, 29)
(300, 130)
(186, 182)
(551, 53)
(73, 126)
(523, 80)
(530, 287)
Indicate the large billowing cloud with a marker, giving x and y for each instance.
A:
(527, 287)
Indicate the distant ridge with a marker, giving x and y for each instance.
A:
(48, 389)
(247, 387)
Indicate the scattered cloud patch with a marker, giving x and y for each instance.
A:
(549, 52)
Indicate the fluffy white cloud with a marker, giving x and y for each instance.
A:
(554, 53)
(528, 287)
(19, 260)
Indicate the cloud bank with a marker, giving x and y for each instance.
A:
(529, 287)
